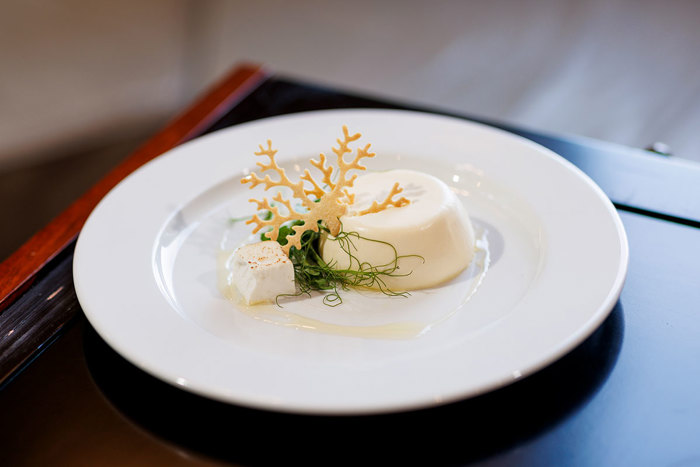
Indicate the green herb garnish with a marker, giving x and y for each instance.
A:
(311, 272)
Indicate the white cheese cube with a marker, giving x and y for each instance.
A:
(261, 271)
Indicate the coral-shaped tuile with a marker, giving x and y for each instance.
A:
(389, 201)
(325, 201)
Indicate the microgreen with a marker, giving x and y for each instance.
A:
(312, 273)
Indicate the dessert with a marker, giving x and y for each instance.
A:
(432, 235)
(342, 231)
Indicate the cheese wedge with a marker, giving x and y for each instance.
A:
(434, 226)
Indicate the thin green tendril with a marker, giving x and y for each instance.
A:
(313, 273)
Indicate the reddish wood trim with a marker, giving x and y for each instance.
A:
(18, 271)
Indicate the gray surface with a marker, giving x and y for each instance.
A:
(626, 71)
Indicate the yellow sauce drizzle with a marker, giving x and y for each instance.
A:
(272, 314)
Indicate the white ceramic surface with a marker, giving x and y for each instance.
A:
(552, 262)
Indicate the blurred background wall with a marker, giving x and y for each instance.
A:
(84, 82)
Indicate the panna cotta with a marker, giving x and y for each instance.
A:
(433, 234)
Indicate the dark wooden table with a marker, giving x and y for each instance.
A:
(629, 395)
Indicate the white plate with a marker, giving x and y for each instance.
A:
(146, 275)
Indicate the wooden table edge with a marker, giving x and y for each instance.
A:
(19, 270)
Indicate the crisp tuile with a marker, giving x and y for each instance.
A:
(327, 200)
(388, 202)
